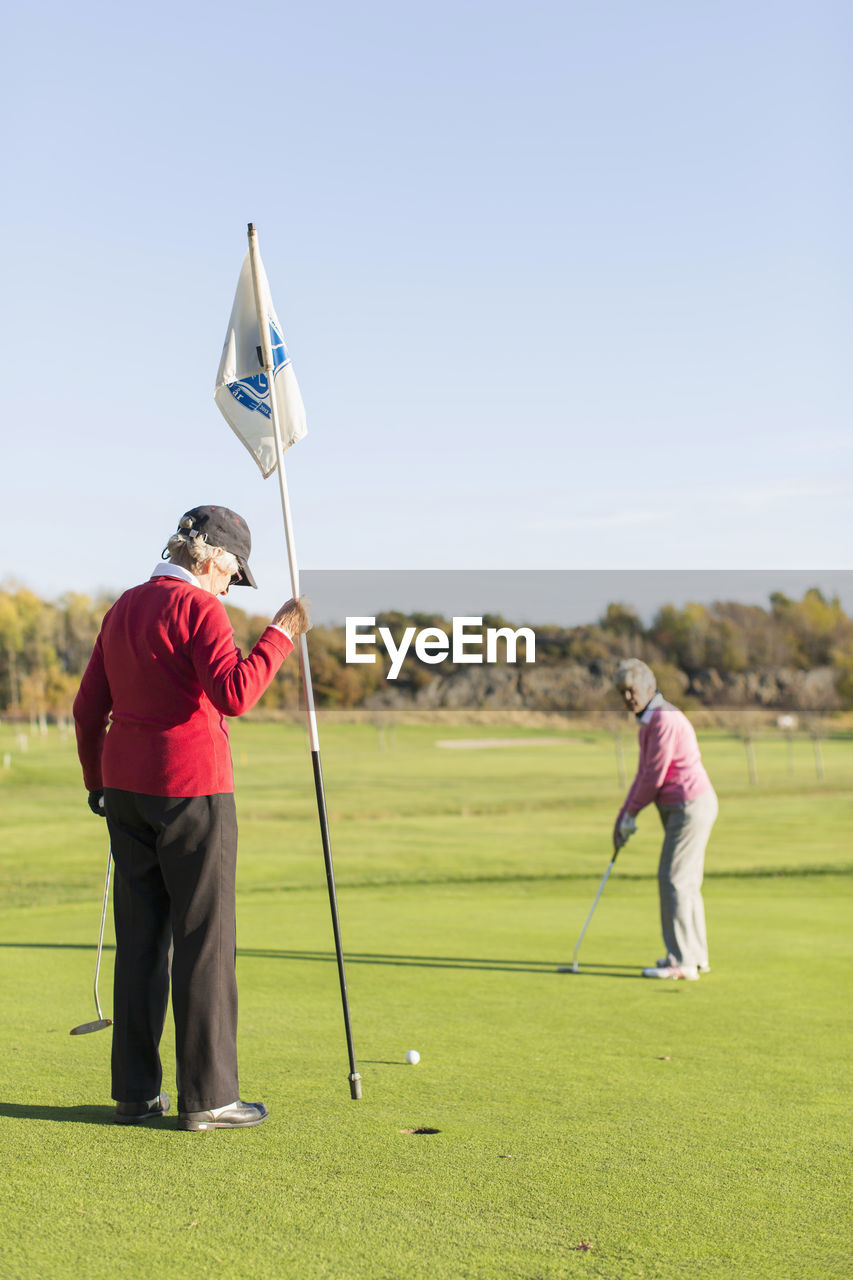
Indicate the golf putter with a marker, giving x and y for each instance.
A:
(573, 967)
(100, 1022)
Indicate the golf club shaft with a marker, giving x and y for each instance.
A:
(592, 909)
(101, 933)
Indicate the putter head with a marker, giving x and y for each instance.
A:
(100, 1024)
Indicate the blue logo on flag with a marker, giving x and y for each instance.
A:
(253, 393)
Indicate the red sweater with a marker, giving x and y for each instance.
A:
(163, 675)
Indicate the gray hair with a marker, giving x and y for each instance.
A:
(189, 551)
(634, 674)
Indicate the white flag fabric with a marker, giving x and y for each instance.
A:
(242, 388)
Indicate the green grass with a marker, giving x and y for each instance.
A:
(683, 1130)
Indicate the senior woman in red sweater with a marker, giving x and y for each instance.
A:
(670, 773)
(153, 743)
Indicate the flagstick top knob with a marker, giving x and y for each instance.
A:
(251, 228)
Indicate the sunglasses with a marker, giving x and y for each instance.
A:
(236, 576)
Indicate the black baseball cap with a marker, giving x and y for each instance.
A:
(220, 527)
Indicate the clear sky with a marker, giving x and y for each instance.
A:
(566, 285)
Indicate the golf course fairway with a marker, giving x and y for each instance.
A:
(591, 1125)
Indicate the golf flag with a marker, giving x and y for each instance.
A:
(242, 387)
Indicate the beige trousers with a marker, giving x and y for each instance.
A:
(682, 863)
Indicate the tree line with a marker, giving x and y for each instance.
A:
(789, 652)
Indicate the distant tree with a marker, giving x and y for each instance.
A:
(672, 682)
(79, 621)
(683, 635)
(621, 620)
(589, 645)
(11, 644)
(60, 690)
(242, 627)
(726, 647)
(821, 625)
(842, 659)
(759, 638)
(814, 627)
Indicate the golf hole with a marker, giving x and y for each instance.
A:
(420, 1131)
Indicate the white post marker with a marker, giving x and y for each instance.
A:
(251, 409)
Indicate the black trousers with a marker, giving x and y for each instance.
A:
(175, 864)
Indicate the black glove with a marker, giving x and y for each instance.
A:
(96, 802)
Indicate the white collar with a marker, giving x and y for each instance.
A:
(166, 570)
(645, 716)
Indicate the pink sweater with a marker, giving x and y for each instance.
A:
(670, 770)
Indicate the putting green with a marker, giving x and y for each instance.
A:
(595, 1124)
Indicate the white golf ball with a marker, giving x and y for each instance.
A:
(413, 1056)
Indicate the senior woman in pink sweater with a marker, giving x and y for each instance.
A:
(670, 773)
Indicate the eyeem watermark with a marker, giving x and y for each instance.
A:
(432, 645)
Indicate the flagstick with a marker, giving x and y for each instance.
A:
(266, 351)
